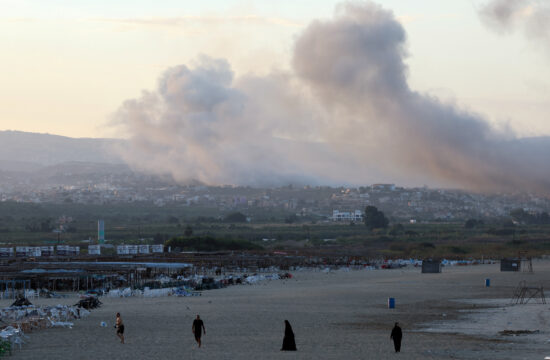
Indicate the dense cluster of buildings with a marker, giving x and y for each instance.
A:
(330, 203)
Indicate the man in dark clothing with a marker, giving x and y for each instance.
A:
(396, 336)
(198, 325)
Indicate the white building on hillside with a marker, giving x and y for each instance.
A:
(338, 215)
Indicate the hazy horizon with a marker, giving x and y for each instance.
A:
(351, 92)
(82, 89)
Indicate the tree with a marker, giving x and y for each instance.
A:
(529, 218)
(209, 243)
(160, 238)
(172, 220)
(521, 216)
(188, 231)
(45, 226)
(235, 217)
(501, 232)
(374, 218)
(396, 229)
(473, 223)
(290, 219)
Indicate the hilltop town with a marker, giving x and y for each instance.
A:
(88, 183)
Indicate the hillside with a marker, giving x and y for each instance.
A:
(24, 151)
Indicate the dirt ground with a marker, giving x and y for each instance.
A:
(335, 315)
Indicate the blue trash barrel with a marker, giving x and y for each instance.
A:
(487, 282)
(391, 303)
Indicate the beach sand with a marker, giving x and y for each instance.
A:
(336, 315)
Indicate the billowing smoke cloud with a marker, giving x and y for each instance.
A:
(531, 16)
(344, 114)
(202, 124)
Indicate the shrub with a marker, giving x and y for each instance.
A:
(209, 243)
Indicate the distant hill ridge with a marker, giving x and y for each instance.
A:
(25, 151)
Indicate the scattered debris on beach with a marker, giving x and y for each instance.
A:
(21, 301)
(88, 302)
(517, 332)
(23, 317)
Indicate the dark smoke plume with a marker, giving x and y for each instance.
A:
(344, 115)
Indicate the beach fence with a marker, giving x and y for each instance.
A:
(510, 264)
(431, 267)
(10, 288)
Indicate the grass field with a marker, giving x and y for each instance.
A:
(32, 224)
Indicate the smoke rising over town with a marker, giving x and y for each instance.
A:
(343, 114)
(530, 16)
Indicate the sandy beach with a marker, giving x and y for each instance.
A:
(335, 315)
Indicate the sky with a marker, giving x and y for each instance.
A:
(68, 66)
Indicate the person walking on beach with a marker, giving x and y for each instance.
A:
(288, 341)
(119, 328)
(396, 336)
(198, 325)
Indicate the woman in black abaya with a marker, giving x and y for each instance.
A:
(288, 342)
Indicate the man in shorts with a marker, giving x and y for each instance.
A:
(119, 328)
(198, 325)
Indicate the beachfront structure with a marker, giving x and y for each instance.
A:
(158, 249)
(94, 249)
(431, 267)
(39, 251)
(510, 264)
(6, 252)
(523, 293)
(82, 275)
(338, 215)
(66, 250)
